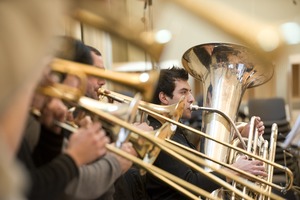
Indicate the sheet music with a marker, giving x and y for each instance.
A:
(293, 138)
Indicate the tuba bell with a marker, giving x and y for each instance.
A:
(226, 71)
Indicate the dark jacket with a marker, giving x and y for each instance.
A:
(49, 170)
(157, 189)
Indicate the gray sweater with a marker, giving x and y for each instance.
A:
(95, 181)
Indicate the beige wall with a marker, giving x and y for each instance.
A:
(188, 30)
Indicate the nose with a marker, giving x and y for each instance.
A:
(101, 82)
(190, 98)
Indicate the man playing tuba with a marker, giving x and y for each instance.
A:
(172, 85)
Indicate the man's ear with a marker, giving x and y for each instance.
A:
(163, 98)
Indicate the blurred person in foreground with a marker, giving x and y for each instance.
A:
(25, 41)
(92, 180)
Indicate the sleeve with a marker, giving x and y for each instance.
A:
(32, 132)
(183, 171)
(95, 179)
(50, 181)
(49, 147)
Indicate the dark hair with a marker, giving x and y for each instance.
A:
(166, 82)
(93, 49)
(74, 50)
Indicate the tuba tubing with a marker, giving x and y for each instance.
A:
(266, 152)
(237, 132)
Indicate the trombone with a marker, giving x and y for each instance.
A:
(171, 111)
(96, 106)
(151, 111)
(103, 111)
(72, 95)
(179, 152)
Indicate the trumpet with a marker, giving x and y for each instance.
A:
(161, 117)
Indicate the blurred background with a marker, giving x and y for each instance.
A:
(186, 30)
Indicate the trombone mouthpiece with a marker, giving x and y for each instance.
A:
(194, 107)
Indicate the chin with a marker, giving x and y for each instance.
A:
(187, 116)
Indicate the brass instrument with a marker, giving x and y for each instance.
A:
(178, 153)
(116, 112)
(226, 71)
(104, 112)
(160, 116)
(258, 146)
(143, 82)
(112, 115)
(164, 145)
(171, 111)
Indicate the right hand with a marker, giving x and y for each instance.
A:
(87, 144)
(254, 167)
(143, 126)
(55, 109)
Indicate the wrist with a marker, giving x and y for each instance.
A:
(74, 157)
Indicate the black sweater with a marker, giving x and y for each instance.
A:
(157, 189)
(48, 169)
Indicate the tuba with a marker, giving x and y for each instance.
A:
(226, 71)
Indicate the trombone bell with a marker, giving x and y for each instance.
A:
(144, 82)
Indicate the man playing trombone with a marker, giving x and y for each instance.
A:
(172, 85)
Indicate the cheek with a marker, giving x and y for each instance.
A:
(93, 81)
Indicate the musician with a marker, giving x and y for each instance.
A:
(172, 85)
(50, 168)
(94, 83)
(96, 180)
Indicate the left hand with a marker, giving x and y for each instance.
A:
(258, 124)
(254, 167)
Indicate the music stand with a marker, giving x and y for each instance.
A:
(292, 140)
